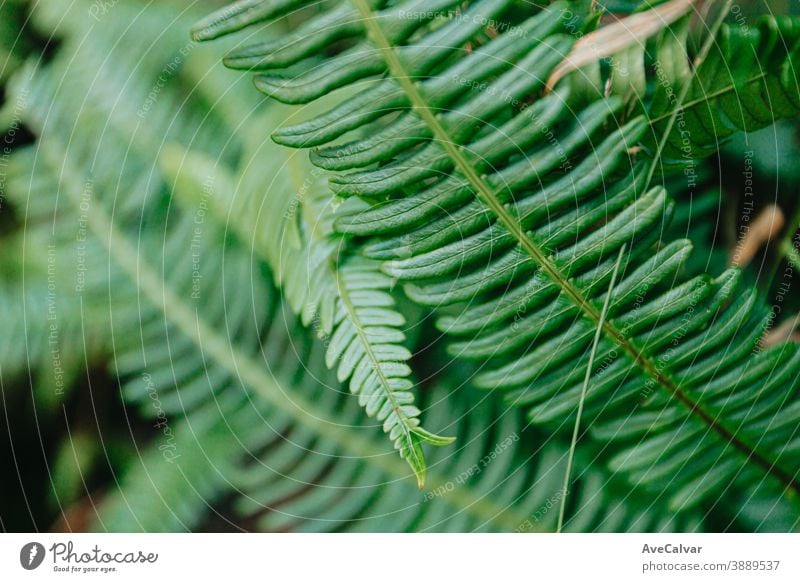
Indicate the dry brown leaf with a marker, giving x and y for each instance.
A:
(616, 37)
(767, 225)
(785, 332)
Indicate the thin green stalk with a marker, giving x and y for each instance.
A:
(584, 388)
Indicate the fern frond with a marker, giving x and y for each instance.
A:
(509, 207)
(489, 482)
(344, 297)
(748, 81)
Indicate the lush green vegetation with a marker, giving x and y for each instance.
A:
(467, 266)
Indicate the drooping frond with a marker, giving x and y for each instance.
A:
(280, 207)
(507, 208)
(286, 473)
(80, 174)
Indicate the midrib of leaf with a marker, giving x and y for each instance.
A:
(318, 236)
(378, 369)
(251, 372)
(706, 98)
(490, 198)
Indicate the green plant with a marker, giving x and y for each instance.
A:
(504, 208)
(236, 392)
(345, 298)
(263, 313)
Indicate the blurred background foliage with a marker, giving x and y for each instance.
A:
(144, 365)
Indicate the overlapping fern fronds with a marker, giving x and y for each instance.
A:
(504, 207)
(240, 399)
(501, 206)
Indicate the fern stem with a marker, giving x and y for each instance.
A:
(248, 370)
(375, 362)
(486, 193)
(584, 388)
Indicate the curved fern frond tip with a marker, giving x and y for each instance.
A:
(477, 212)
(367, 344)
(344, 297)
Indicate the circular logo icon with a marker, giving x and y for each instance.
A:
(31, 555)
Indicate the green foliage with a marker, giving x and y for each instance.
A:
(504, 209)
(240, 402)
(345, 298)
(238, 397)
(245, 297)
(13, 44)
(748, 81)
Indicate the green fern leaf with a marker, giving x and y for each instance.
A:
(748, 81)
(343, 296)
(228, 413)
(503, 206)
